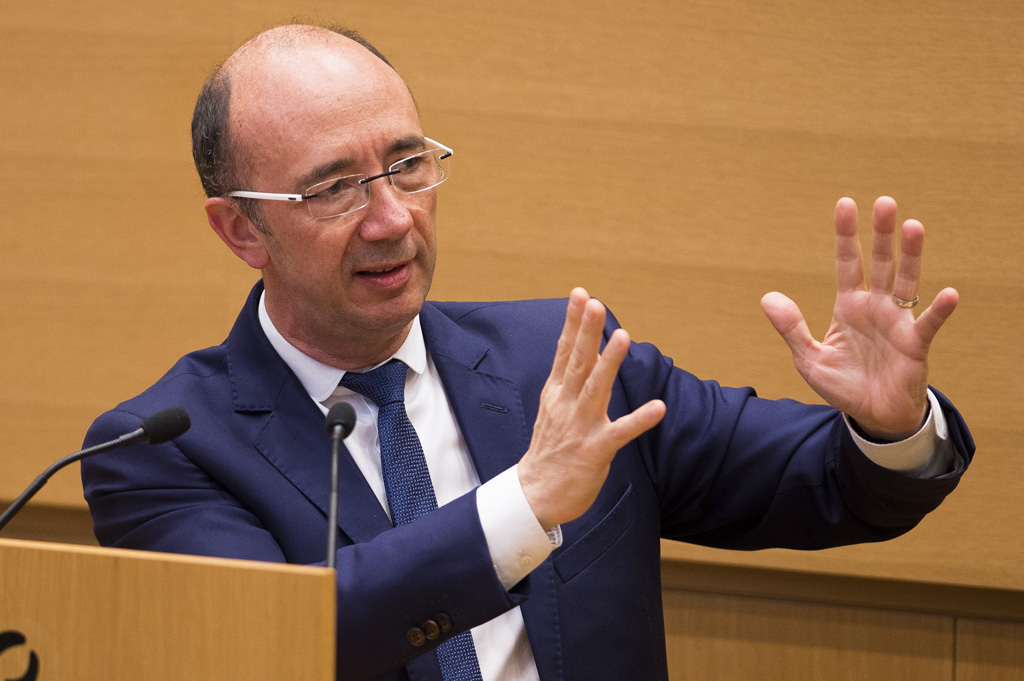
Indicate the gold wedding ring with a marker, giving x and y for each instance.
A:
(905, 303)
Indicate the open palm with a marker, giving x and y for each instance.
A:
(872, 363)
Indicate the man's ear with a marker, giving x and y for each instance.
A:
(237, 231)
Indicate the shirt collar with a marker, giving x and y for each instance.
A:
(320, 380)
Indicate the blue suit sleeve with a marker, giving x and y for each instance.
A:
(733, 470)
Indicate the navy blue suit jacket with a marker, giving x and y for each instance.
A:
(725, 468)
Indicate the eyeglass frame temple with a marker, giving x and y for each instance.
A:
(448, 150)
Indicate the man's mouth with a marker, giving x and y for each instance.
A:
(385, 277)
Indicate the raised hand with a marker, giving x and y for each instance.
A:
(574, 441)
(873, 362)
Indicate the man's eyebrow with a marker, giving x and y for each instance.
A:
(341, 166)
(324, 171)
(410, 143)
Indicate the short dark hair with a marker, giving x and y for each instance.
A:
(209, 133)
(219, 168)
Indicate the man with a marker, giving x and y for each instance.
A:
(589, 448)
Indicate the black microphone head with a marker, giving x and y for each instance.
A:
(166, 425)
(342, 414)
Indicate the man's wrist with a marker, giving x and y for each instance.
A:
(912, 454)
(515, 538)
(880, 435)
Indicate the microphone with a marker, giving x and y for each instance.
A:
(160, 427)
(341, 419)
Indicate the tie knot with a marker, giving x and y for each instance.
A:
(384, 385)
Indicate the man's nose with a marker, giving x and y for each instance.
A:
(386, 216)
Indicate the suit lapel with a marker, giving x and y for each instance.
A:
(488, 408)
(293, 437)
(296, 442)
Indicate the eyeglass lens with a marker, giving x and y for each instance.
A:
(341, 195)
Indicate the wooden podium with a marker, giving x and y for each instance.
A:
(84, 613)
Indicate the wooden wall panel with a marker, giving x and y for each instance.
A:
(722, 638)
(678, 159)
(989, 651)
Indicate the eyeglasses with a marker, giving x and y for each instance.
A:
(342, 195)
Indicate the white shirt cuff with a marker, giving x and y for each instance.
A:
(515, 538)
(925, 454)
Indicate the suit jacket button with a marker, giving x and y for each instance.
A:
(430, 629)
(416, 636)
(444, 622)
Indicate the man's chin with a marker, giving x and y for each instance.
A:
(387, 317)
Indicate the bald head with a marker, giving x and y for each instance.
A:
(294, 37)
(273, 58)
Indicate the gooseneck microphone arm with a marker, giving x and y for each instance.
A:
(160, 427)
(341, 419)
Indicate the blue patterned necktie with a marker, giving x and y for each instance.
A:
(407, 484)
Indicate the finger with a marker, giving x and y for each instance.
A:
(598, 388)
(911, 247)
(567, 340)
(586, 347)
(935, 315)
(849, 268)
(883, 267)
(631, 426)
(787, 319)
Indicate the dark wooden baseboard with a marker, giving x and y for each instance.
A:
(59, 524)
(760, 582)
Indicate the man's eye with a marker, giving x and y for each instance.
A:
(408, 165)
(331, 188)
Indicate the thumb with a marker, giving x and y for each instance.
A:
(787, 319)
